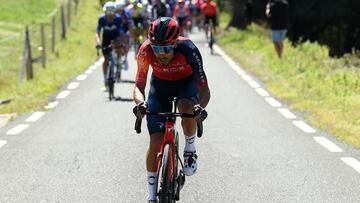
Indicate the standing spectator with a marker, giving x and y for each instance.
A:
(249, 10)
(277, 12)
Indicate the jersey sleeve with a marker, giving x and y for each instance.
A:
(100, 25)
(195, 60)
(142, 65)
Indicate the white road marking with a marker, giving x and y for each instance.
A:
(17, 129)
(73, 85)
(35, 116)
(273, 102)
(52, 105)
(246, 77)
(253, 84)
(81, 77)
(328, 144)
(262, 92)
(303, 126)
(93, 67)
(2, 143)
(355, 164)
(286, 113)
(63, 94)
(89, 71)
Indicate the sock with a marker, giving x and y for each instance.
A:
(151, 178)
(190, 143)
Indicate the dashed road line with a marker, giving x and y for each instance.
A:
(246, 77)
(352, 162)
(286, 113)
(273, 102)
(73, 85)
(89, 71)
(81, 77)
(3, 143)
(52, 105)
(35, 116)
(17, 129)
(253, 84)
(63, 94)
(328, 144)
(262, 92)
(304, 126)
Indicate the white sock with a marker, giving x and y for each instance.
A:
(151, 178)
(190, 143)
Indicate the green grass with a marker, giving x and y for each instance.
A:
(64, 64)
(326, 90)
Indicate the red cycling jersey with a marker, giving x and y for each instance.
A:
(209, 8)
(187, 61)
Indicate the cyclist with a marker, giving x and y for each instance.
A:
(209, 10)
(111, 25)
(182, 13)
(127, 22)
(138, 15)
(177, 71)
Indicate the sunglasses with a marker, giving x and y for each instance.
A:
(163, 49)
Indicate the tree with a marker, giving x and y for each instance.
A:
(238, 19)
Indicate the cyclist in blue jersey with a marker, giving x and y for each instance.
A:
(111, 25)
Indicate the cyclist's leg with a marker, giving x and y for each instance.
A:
(206, 27)
(156, 128)
(188, 97)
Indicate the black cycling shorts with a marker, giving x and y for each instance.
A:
(213, 20)
(161, 95)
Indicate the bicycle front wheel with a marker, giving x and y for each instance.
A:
(165, 177)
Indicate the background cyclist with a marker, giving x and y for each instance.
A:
(182, 14)
(111, 25)
(126, 24)
(177, 70)
(209, 10)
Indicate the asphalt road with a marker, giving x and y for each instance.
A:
(85, 149)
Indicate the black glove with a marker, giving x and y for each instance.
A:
(200, 112)
(140, 109)
(98, 46)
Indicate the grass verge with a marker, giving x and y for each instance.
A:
(72, 56)
(325, 89)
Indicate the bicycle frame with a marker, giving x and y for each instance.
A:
(172, 176)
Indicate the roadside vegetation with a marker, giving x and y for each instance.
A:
(70, 58)
(326, 90)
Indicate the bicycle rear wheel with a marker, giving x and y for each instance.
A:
(165, 177)
(111, 82)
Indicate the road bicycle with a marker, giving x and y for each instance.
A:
(171, 177)
(211, 38)
(110, 75)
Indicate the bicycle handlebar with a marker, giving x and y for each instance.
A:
(172, 115)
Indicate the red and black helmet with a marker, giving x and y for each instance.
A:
(163, 31)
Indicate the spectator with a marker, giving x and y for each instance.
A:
(277, 12)
(249, 11)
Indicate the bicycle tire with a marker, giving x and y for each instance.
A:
(164, 191)
(111, 80)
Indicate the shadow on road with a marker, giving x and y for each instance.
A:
(123, 99)
(128, 81)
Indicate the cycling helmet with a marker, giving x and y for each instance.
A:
(119, 4)
(109, 7)
(163, 31)
(181, 2)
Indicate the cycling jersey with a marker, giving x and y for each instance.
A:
(111, 29)
(187, 61)
(126, 19)
(209, 9)
(181, 11)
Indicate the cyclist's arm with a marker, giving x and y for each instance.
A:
(98, 31)
(141, 76)
(200, 76)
